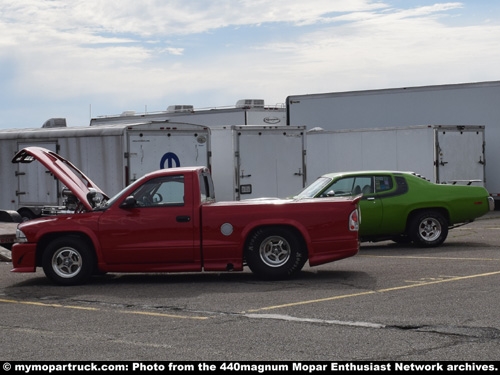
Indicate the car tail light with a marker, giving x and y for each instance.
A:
(354, 220)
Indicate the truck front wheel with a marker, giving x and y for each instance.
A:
(68, 261)
(275, 253)
(428, 229)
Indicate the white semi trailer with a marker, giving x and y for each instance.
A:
(112, 156)
(441, 153)
(258, 161)
(246, 161)
(455, 104)
(245, 112)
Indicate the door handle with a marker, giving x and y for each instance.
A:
(183, 219)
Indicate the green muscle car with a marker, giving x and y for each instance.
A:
(403, 206)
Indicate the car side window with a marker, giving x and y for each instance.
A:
(383, 183)
(161, 191)
(344, 186)
(364, 185)
(351, 186)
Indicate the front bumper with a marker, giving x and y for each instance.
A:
(23, 257)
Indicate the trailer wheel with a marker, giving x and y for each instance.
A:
(428, 229)
(10, 216)
(275, 253)
(26, 214)
(68, 261)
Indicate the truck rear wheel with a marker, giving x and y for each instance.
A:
(68, 261)
(429, 229)
(275, 253)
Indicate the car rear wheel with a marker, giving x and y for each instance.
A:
(68, 261)
(429, 229)
(275, 253)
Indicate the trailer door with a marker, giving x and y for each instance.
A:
(36, 185)
(152, 150)
(460, 155)
(270, 162)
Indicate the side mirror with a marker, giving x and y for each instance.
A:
(330, 193)
(129, 202)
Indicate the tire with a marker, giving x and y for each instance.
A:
(429, 229)
(10, 216)
(68, 261)
(275, 253)
(27, 214)
(402, 240)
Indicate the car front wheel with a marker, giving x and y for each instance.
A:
(68, 261)
(429, 229)
(275, 253)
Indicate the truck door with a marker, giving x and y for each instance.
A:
(36, 185)
(158, 230)
(152, 150)
(270, 163)
(460, 156)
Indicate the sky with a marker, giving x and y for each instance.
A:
(81, 59)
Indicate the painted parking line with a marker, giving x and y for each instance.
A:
(415, 284)
(385, 290)
(289, 318)
(165, 315)
(430, 257)
(56, 305)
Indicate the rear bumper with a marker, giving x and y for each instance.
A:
(491, 203)
(328, 252)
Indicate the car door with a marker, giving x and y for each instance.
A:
(392, 191)
(158, 229)
(370, 204)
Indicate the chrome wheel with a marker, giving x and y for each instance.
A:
(430, 229)
(275, 251)
(67, 262)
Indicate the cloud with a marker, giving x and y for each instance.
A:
(120, 55)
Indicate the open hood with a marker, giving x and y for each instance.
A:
(70, 176)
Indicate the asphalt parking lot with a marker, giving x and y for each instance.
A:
(389, 303)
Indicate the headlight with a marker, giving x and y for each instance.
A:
(20, 236)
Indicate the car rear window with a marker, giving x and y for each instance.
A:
(383, 183)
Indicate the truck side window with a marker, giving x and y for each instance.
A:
(163, 191)
(206, 188)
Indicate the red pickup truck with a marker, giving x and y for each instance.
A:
(169, 221)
